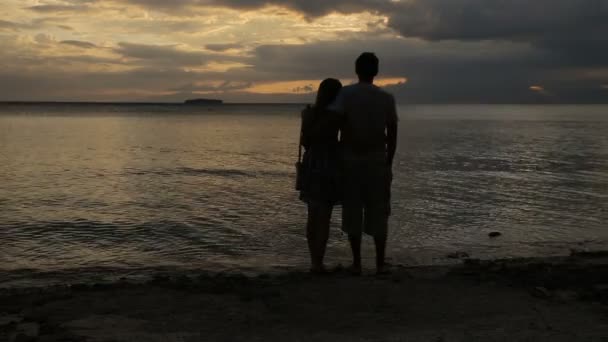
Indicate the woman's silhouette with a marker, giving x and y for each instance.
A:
(320, 188)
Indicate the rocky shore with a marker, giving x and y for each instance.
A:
(556, 299)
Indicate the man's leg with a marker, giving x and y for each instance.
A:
(380, 242)
(352, 224)
(377, 212)
(376, 225)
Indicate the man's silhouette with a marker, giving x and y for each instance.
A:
(369, 139)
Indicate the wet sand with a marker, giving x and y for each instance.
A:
(556, 299)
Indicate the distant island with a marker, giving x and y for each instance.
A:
(204, 102)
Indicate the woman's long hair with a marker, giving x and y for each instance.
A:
(328, 91)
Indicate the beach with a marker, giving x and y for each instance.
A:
(538, 299)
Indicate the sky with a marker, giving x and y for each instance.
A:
(431, 51)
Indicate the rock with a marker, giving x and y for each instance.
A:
(494, 234)
(160, 279)
(566, 295)
(63, 337)
(472, 262)
(601, 288)
(79, 287)
(10, 319)
(20, 337)
(26, 332)
(34, 315)
(588, 254)
(458, 255)
(541, 292)
(601, 292)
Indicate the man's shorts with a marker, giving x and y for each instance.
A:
(366, 202)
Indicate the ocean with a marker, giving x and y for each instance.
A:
(93, 191)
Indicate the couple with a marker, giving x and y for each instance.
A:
(355, 170)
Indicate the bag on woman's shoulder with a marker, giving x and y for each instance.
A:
(301, 168)
(301, 165)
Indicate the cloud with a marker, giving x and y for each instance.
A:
(169, 55)
(14, 26)
(61, 8)
(223, 47)
(309, 8)
(9, 25)
(79, 44)
(45, 39)
(495, 19)
(575, 31)
(225, 86)
(309, 88)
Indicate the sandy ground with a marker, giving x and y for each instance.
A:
(562, 299)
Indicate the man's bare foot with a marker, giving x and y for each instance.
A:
(355, 270)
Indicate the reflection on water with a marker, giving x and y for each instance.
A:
(131, 187)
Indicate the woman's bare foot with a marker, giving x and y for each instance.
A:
(383, 269)
(318, 269)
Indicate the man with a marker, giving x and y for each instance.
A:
(369, 140)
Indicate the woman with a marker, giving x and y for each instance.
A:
(321, 188)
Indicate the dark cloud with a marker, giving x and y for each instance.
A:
(576, 32)
(497, 19)
(399, 57)
(59, 8)
(9, 25)
(78, 43)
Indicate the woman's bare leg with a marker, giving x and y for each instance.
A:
(317, 233)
